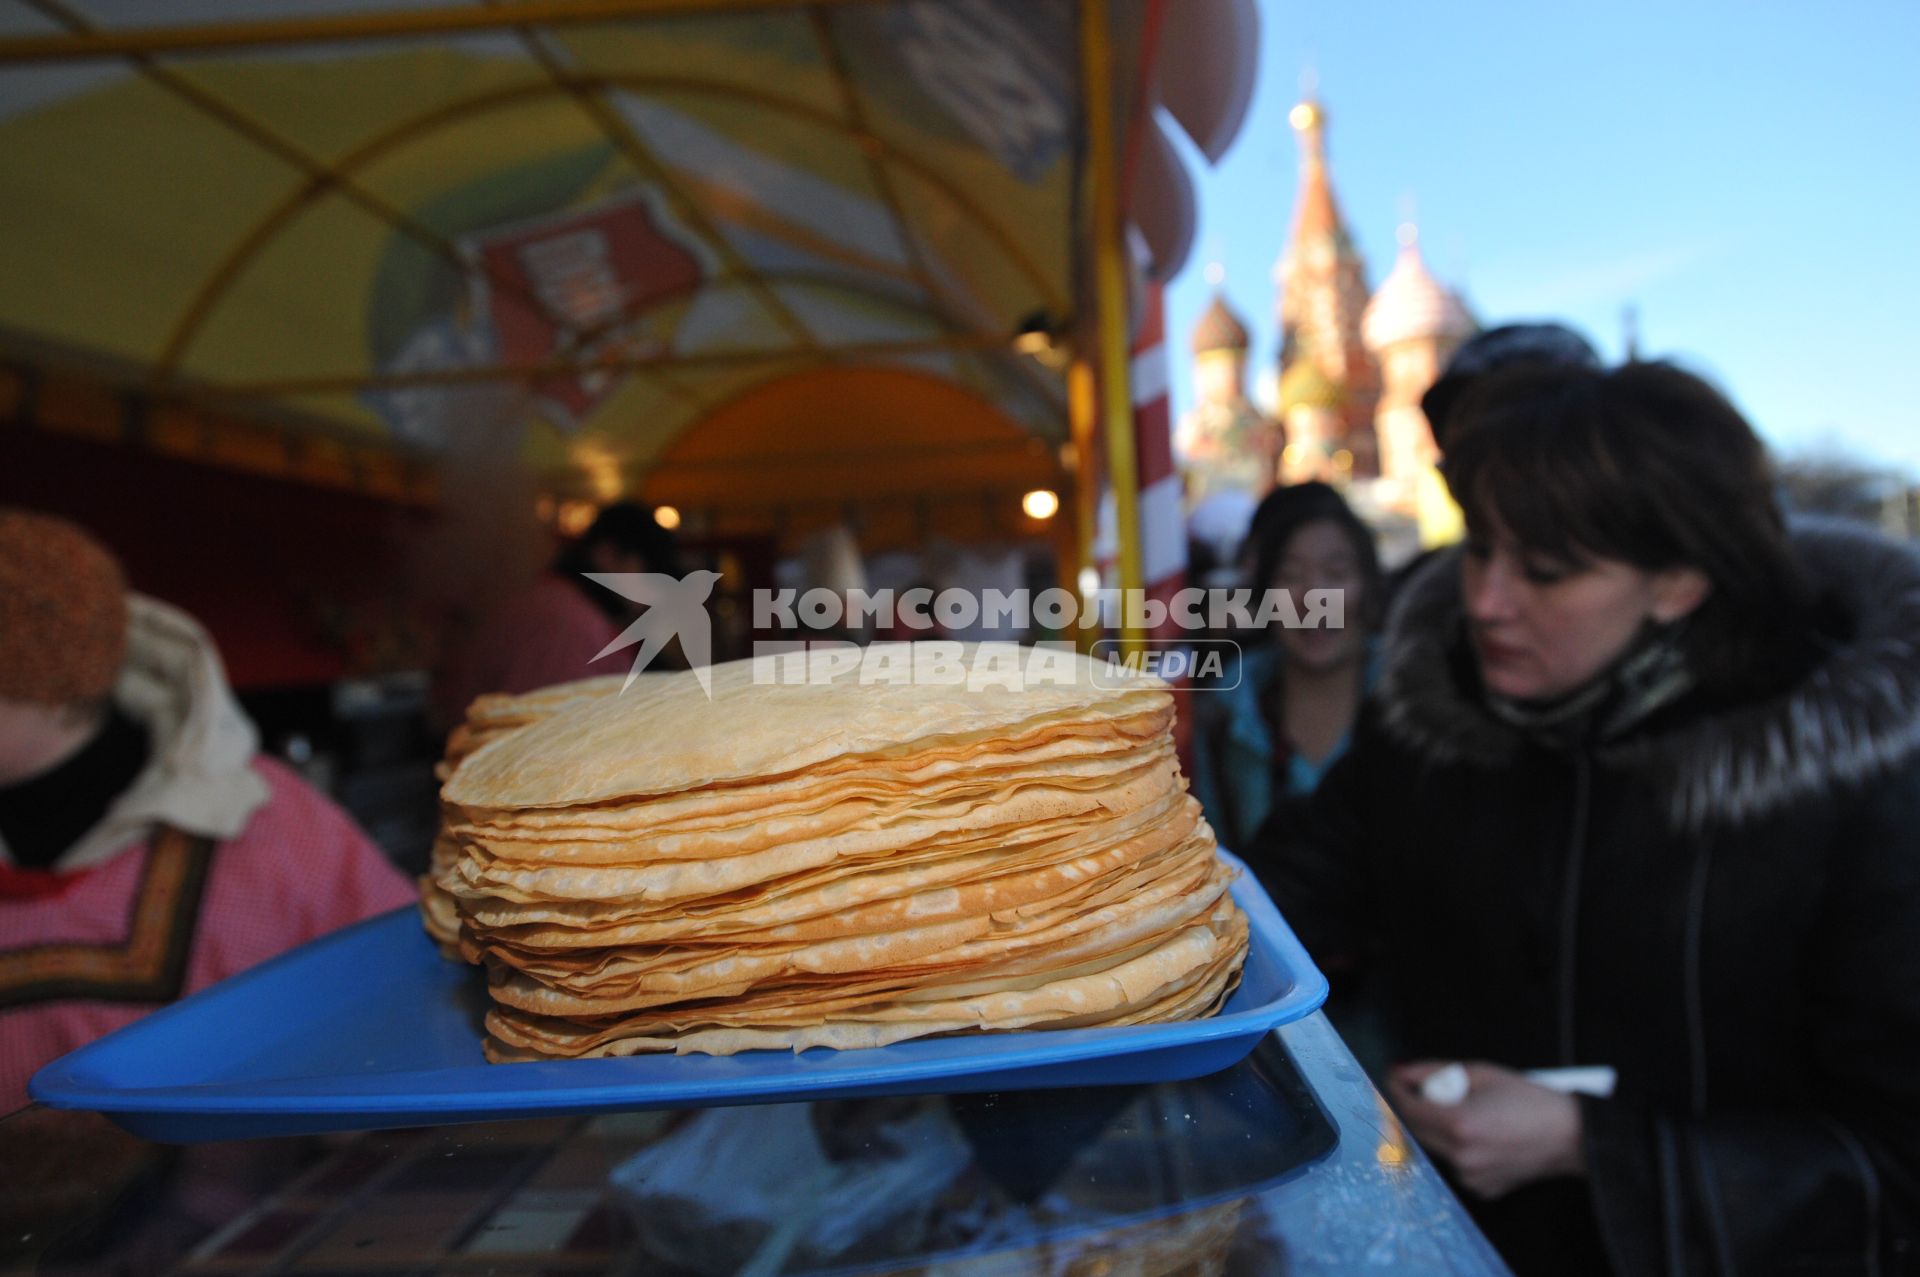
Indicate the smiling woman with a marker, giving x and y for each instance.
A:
(1269, 732)
(1633, 795)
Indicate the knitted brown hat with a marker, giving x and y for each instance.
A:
(63, 611)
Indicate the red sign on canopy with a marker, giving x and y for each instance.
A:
(580, 287)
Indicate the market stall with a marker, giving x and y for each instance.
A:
(706, 251)
(774, 266)
(404, 289)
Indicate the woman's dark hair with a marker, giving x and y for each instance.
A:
(1284, 511)
(1649, 465)
(1485, 353)
(628, 526)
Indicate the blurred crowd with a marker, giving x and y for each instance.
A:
(1625, 784)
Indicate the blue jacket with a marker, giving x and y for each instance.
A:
(1233, 749)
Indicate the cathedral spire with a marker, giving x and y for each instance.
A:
(1309, 120)
(1327, 373)
(1318, 214)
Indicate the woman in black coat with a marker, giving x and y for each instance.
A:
(1640, 788)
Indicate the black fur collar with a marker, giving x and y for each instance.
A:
(1856, 716)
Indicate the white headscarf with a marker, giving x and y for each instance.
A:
(199, 775)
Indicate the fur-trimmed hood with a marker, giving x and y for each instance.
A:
(1854, 717)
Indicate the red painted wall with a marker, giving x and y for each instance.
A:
(290, 579)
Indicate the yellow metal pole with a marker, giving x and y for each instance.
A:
(1083, 406)
(1112, 355)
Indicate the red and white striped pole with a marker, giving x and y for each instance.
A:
(1162, 519)
(1163, 536)
(1163, 532)
(1163, 524)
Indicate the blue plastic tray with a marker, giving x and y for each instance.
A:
(371, 1028)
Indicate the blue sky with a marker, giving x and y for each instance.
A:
(1746, 175)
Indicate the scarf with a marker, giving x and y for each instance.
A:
(1652, 674)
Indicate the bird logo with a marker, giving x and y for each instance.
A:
(676, 607)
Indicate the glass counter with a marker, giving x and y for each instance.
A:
(1287, 1163)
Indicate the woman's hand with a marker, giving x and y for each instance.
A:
(1507, 1132)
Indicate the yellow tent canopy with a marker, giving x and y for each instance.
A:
(706, 249)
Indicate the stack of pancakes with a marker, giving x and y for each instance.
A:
(488, 719)
(836, 863)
